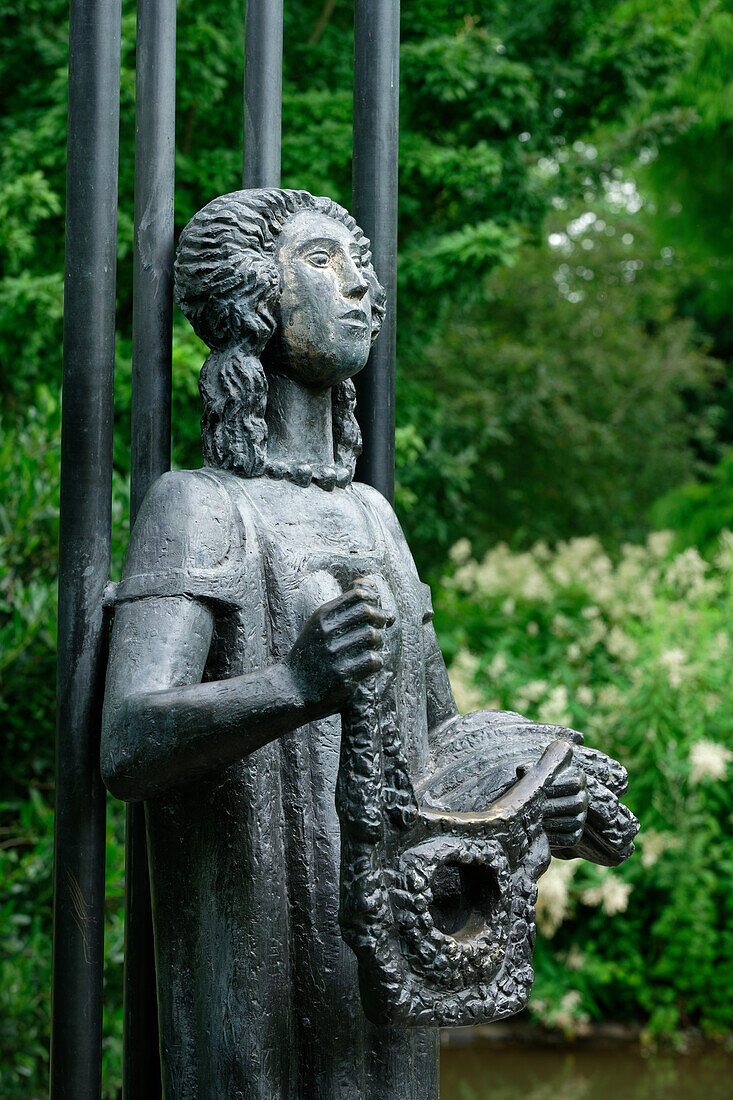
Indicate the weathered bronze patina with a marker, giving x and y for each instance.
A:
(277, 697)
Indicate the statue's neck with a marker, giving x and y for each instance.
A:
(299, 423)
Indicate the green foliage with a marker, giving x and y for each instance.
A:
(634, 651)
(582, 395)
(691, 172)
(29, 458)
(699, 510)
(26, 859)
(26, 862)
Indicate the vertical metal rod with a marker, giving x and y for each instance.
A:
(376, 129)
(155, 67)
(84, 545)
(263, 84)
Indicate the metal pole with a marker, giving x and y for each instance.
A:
(263, 83)
(84, 545)
(155, 97)
(376, 127)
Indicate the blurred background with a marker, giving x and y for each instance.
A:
(565, 465)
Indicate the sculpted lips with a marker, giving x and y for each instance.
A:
(356, 317)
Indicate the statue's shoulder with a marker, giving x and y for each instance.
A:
(197, 488)
(188, 504)
(183, 536)
(383, 511)
(380, 506)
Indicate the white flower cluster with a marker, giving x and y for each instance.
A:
(553, 898)
(659, 543)
(619, 590)
(654, 844)
(460, 552)
(502, 572)
(555, 708)
(724, 557)
(498, 666)
(611, 894)
(675, 663)
(568, 1015)
(530, 694)
(565, 1014)
(620, 645)
(688, 576)
(575, 959)
(708, 761)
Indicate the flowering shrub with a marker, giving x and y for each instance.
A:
(634, 651)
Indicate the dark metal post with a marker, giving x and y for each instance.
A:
(155, 66)
(263, 82)
(84, 551)
(376, 127)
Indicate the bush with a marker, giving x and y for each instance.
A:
(699, 510)
(26, 866)
(29, 490)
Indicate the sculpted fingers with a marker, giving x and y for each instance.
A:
(611, 827)
(353, 614)
(564, 832)
(331, 612)
(567, 783)
(358, 652)
(338, 646)
(570, 806)
(355, 642)
(565, 839)
(361, 667)
(566, 810)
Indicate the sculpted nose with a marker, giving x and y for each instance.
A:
(358, 290)
(355, 285)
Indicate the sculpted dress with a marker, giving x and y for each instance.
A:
(259, 995)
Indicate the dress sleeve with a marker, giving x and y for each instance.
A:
(185, 542)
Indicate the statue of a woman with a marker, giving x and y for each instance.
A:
(259, 594)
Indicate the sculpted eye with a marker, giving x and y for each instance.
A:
(319, 258)
(356, 257)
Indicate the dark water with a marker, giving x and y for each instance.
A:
(519, 1073)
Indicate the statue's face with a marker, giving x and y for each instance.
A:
(325, 311)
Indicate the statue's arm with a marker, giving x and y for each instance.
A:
(162, 726)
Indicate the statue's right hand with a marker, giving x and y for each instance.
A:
(340, 645)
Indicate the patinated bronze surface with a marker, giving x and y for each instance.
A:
(277, 697)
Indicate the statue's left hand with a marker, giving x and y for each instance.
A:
(481, 754)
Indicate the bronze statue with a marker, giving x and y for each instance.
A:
(277, 697)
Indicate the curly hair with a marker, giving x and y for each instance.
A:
(227, 285)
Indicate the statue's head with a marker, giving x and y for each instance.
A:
(276, 280)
